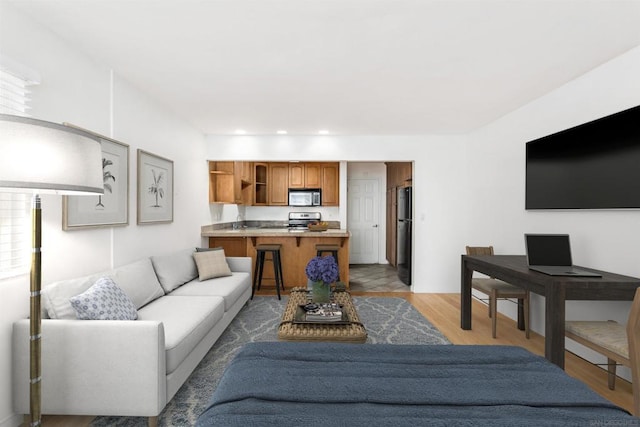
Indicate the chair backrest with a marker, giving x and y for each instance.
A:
(633, 338)
(479, 250)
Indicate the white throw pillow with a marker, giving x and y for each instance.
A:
(104, 301)
(211, 264)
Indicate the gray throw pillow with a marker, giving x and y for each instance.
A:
(175, 269)
(218, 248)
(104, 301)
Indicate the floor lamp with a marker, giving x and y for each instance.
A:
(43, 157)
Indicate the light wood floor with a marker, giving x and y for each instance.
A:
(443, 310)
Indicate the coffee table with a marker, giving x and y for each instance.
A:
(352, 332)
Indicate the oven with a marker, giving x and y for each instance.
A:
(299, 221)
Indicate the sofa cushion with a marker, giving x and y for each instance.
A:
(104, 301)
(186, 322)
(139, 281)
(55, 296)
(175, 269)
(230, 288)
(211, 264)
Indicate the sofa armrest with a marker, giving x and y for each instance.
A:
(239, 264)
(94, 367)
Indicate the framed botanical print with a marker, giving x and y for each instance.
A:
(110, 209)
(155, 188)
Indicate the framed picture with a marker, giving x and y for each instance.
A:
(155, 188)
(110, 209)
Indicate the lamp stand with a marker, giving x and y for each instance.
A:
(35, 314)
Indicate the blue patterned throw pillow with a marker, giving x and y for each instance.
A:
(104, 301)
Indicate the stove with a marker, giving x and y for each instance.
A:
(299, 221)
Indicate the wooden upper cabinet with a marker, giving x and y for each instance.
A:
(399, 174)
(221, 182)
(278, 184)
(296, 175)
(305, 175)
(330, 184)
(313, 175)
(268, 183)
(260, 187)
(227, 183)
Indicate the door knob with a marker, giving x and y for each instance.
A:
(375, 225)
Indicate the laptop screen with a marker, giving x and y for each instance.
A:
(548, 249)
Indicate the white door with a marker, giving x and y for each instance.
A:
(362, 219)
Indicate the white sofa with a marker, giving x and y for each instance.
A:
(129, 367)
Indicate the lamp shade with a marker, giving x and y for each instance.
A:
(48, 157)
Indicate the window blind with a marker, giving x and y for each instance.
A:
(15, 214)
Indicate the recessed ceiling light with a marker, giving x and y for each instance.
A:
(323, 132)
(282, 132)
(240, 132)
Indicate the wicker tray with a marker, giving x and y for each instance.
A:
(353, 332)
(318, 227)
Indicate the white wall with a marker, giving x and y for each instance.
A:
(606, 239)
(77, 90)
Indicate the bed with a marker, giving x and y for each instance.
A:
(334, 384)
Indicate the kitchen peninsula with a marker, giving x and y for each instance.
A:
(298, 247)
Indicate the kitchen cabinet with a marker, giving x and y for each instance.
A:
(330, 173)
(296, 175)
(228, 183)
(268, 183)
(260, 174)
(223, 187)
(305, 175)
(313, 175)
(278, 184)
(399, 174)
(233, 246)
(296, 251)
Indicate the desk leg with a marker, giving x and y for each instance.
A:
(554, 325)
(521, 314)
(465, 296)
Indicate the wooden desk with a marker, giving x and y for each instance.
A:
(556, 290)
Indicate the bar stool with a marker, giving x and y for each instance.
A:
(332, 249)
(261, 251)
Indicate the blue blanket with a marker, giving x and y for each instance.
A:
(286, 384)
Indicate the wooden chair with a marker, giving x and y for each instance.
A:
(620, 344)
(497, 289)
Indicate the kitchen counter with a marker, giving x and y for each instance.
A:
(298, 247)
(272, 232)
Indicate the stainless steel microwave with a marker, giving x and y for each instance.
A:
(305, 197)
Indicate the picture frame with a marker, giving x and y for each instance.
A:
(110, 209)
(155, 189)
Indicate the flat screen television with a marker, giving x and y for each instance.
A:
(595, 165)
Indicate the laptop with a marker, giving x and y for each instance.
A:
(551, 254)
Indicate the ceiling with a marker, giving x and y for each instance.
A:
(352, 67)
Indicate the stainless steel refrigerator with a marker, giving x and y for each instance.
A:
(404, 230)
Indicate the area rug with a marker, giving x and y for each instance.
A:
(388, 320)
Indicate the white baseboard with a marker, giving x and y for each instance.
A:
(13, 420)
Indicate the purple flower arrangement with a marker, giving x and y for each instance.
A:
(322, 269)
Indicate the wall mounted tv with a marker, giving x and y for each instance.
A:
(595, 165)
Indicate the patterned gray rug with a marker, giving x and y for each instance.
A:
(388, 320)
